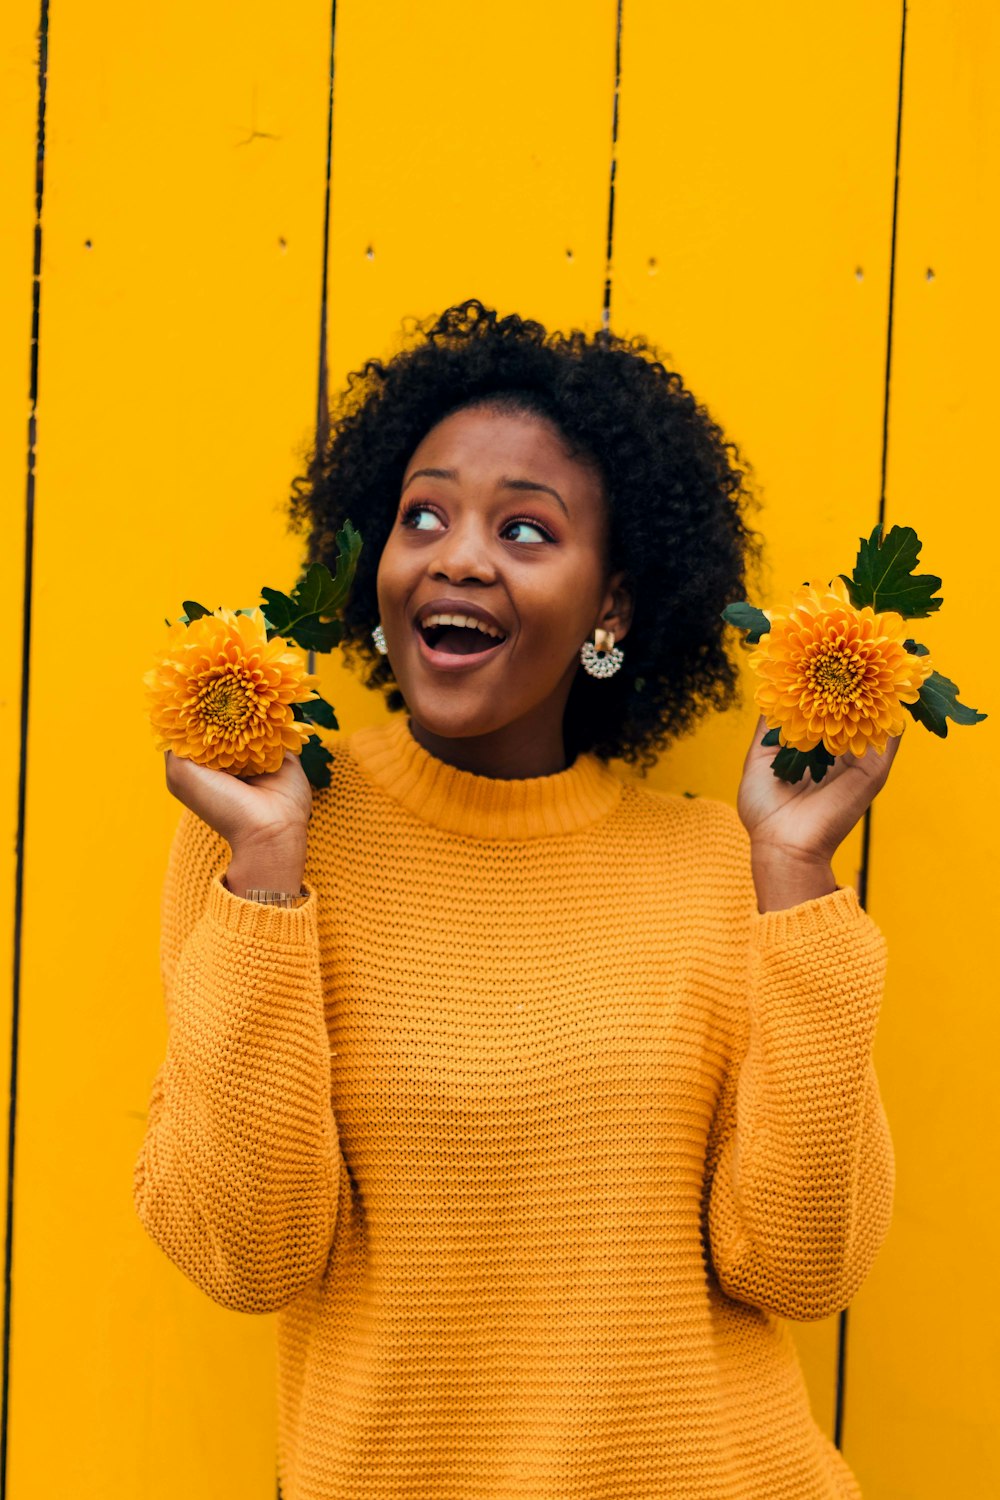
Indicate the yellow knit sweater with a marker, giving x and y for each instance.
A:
(530, 1127)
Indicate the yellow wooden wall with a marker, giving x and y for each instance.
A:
(755, 241)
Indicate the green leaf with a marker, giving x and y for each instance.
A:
(307, 631)
(316, 711)
(280, 613)
(938, 702)
(791, 765)
(316, 760)
(304, 617)
(748, 617)
(883, 575)
(193, 611)
(348, 551)
(914, 648)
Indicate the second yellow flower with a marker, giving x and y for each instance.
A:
(833, 674)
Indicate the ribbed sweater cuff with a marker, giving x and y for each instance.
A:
(809, 921)
(280, 925)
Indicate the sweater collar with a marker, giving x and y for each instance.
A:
(482, 806)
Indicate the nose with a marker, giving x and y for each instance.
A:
(462, 555)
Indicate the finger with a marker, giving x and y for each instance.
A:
(886, 757)
(870, 769)
(758, 730)
(757, 750)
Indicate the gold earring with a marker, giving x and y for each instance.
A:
(601, 657)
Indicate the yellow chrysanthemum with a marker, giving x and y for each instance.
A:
(834, 674)
(220, 694)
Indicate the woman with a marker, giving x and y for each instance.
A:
(543, 1098)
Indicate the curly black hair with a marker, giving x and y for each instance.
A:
(676, 492)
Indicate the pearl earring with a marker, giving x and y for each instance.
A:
(601, 657)
(378, 636)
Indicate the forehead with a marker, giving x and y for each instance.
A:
(484, 444)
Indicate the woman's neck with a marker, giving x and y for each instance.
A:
(456, 800)
(514, 753)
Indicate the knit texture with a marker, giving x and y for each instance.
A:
(530, 1127)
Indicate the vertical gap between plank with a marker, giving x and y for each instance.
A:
(866, 835)
(322, 401)
(322, 383)
(22, 784)
(606, 310)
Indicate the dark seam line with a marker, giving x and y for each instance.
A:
(322, 406)
(606, 311)
(322, 400)
(322, 384)
(838, 1420)
(866, 832)
(22, 784)
(892, 276)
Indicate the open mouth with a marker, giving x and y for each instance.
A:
(446, 638)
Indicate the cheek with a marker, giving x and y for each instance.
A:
(573, 594)
(389, 580)
(562, 617)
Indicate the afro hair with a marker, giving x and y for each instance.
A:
(677, 495)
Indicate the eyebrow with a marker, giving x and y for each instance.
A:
(505, 484)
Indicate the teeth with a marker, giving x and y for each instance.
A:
(467, 620)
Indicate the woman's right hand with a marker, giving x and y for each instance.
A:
(263, 818)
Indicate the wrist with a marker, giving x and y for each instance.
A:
(784, 878)
(267, 865)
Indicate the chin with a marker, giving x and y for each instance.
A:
(456, 715)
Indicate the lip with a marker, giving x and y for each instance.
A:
(458, 607)
(449, 661)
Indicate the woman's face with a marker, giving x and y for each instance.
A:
(497, 522)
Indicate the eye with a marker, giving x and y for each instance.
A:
(531, 526)
(416, 510)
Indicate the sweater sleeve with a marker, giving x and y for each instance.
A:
(802, 1167)
(238, 1174)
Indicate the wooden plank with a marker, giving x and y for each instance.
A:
(18, 162)
(923, 1384)
(753, 218)
(471, 158)
(183, 236)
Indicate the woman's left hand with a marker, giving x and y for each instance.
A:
(807, 820)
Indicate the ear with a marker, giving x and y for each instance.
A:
(616, 610)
